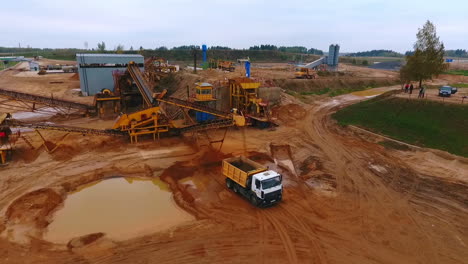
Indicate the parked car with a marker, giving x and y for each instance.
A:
(445, 91)
(454, 90)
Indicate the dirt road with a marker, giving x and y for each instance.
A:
(461, 97)
(352, 201)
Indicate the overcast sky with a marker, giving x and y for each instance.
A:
(356, 25)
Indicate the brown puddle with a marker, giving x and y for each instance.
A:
(120, 207)
(368, 93)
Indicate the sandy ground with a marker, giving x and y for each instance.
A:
(348, 200)
(264, 71)
(62, 86)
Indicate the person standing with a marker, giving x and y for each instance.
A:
(406, 87)
(421, 92)
(411, 89)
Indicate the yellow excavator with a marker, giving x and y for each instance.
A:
(222, 65)
(305, 73)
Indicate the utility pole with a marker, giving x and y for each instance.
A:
(194, 52)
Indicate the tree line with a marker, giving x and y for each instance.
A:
(292, 49)
(376, 53)
(267, 53)
(180, 53)
(462, 53)
(457, 53)
(102, 47)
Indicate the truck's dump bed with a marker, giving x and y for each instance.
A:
(239, 169)
(242, 165)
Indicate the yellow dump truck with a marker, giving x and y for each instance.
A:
(226, 65)
(253, 181)
(305, 73)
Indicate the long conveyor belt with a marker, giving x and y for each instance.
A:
(194, 106)
(218, 123)
(141, 83)
(45, 100)
(82, 130)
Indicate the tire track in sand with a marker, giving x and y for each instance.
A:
(319, 255)
(262, 235)
(288, 245)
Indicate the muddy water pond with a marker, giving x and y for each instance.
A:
(120, 207)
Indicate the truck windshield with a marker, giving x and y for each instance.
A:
(266, 184)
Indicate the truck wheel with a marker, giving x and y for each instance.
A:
(234, 188)
(228, 183)
(253, 199)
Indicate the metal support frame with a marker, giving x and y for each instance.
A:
(44, 142)
(48, 101)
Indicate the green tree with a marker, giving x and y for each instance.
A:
(365, 62)
(101, 46)
(428, 57)
(119, 49)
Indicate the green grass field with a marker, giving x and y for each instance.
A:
(457, 72)
(423, 123)
(459, 85)
(8, 65)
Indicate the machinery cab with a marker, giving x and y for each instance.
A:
(300, 72)
(303, 72)
(267, 186)
(204, 92)
(5, 140)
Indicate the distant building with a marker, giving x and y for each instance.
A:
(34, 66)
(95, 70)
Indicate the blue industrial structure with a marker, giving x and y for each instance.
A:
(202, 116)
(95, 70)
(247, 69)
(204, 50)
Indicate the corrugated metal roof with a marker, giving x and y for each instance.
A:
(203, 84)
(108, 55)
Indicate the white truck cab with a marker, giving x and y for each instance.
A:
(267, 186)
(253, 181)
